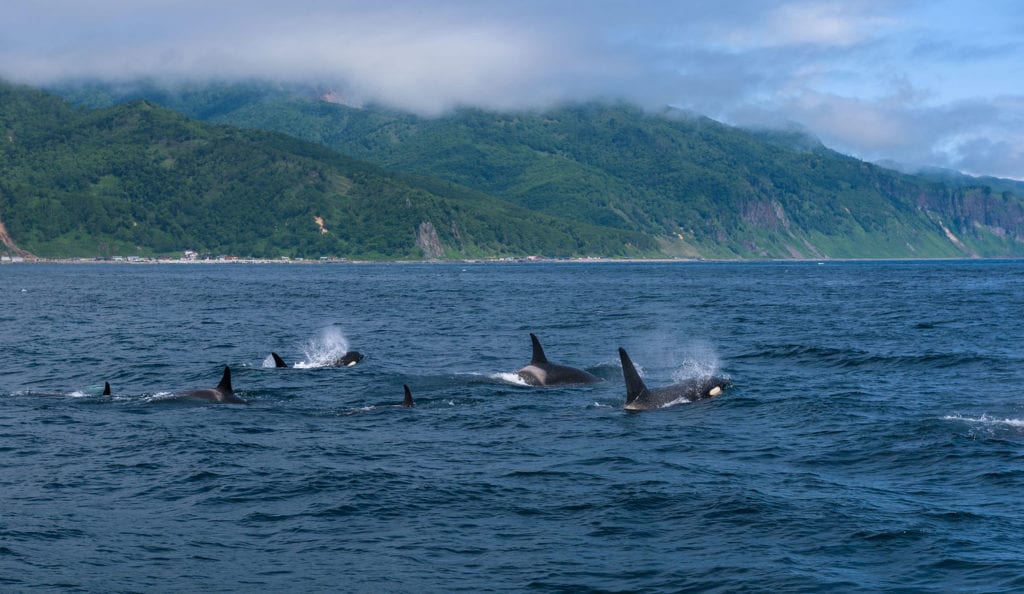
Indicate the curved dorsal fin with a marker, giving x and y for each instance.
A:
(408, 397)
(278, 361)
(634, 385)
(106, 388)
(225, 381)
(538, 352)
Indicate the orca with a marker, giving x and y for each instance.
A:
(347, 360)
(407, 403)
(106, 388)
(542, 373)
(223, 393)
(640, 397)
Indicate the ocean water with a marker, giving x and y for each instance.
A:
(873, 439)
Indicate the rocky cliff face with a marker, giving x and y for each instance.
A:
(9, 245)
(428, 241)
(767, 215)
(977, 210)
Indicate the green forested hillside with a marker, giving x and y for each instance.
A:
(139, 179)
(715, 189)
(697, 186)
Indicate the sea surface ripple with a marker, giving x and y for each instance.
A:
(873, 439)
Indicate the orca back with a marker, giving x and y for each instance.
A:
(538, 352)
(635, 386)
(349, 359)
(225, 381)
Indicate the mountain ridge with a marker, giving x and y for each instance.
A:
(140, 179)
(696, 187)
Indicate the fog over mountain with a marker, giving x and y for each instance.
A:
(919, 83)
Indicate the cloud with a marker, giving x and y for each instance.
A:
(917, 82)
(839, 24)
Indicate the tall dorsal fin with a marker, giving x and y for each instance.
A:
(225, 381)
(634, 385)
(408, 397)
(278, 361)
(538, 352)
(106, 388)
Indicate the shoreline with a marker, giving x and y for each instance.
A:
(507, 260)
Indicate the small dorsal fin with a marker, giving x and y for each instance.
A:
(106, 388)
(538, 352)
(278, 361)
(634, 385)
(225, 381)
(408, 397)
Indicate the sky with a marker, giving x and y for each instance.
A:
(936, 83)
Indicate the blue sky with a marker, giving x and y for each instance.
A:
(923, 83)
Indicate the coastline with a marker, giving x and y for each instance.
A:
(507, 260)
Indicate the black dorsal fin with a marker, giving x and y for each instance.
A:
(106, 388)
(634, 385)
(408, 397)
(225, 381)
(278, 361)
(538, 352)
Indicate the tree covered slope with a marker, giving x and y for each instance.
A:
(698, 187)
(140, 179)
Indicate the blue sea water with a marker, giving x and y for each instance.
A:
(873, 439)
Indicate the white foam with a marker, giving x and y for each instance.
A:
(680, 400)
(701, 361)
(324, 349)
(358, 411)
(269, 361)
(510, 377)
(986, 420)
(159, 397)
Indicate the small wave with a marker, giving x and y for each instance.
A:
(359, 410)
(850, 358)
(34, 394)
(985, 419)
(159, 397)
(509, 377)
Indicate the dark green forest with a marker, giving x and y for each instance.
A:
(601, 179)
(140, 179)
